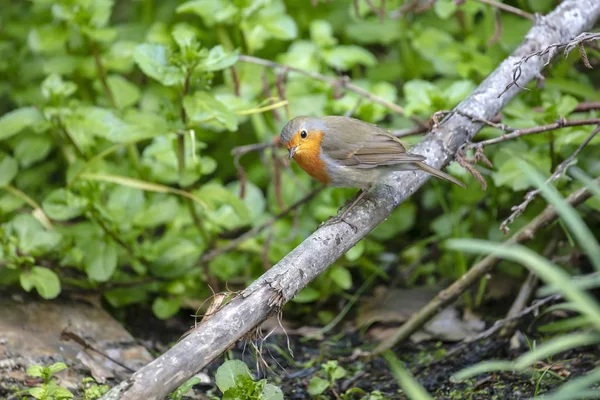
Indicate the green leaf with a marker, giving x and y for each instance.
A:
(218, 59)
(183, 389)
(54, 87)
(202, 107)
(153, 60)
(229, 373)
(401, 220)
(185, 36)
(34, 239)
(44, 280)
(271, 392)
(346, 57)
(211, 11)
(407, 382)
(374, 31)
(31, 149)
(165, 308)
(159, 212)
(317, 386)
(321, 33)
(124, 203)
(57, 367)
(307, 295)
(356, 251)
(175, 256)
(36, 371)
(124, 92)
(100, 258)
(15, 121)
(342, 277)
(9, 168)
(62, 205)
(445, 8)
(47, 39)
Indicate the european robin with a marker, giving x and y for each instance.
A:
(350, 153)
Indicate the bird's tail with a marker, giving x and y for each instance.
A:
(437, 173)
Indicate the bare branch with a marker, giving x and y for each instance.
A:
(507, 8)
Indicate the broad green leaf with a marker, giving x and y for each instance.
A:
(271, 392)
(346, 57)
(100, 258)
(47, 39)
(307, 295)
(63, 205)
(158, 212)
(15, 121)
(341, 276)
(57, 367)
(229, 373)
(356, 251)
(401, 220)
(211, 11)
(374, 31)
(153, 60)
(124, 203)
(55, 87)
(44, 280)
(32, 148)
(445, 8)
(218, 59)
(175, 256)
(317, 386)
(165, 308)
(34, 239)
(185, 36)
(203, 107)
(321, 33)
(124, 92)
(9, 168)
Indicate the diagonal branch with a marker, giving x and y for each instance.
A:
(283, 281)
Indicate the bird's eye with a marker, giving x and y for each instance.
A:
(303, 134)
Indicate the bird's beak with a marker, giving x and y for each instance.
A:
(293, 151)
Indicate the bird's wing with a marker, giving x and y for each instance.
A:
(367, 146)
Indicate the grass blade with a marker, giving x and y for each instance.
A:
(572, 219)
(407, 382)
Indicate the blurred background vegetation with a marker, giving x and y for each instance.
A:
(119, 118)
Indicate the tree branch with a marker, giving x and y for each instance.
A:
(283, 281)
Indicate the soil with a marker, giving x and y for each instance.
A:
(426, 361)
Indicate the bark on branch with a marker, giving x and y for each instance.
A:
(282, 282)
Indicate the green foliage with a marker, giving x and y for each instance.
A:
(579, 300)
(332, 372)
(117, 125)
(49, 388)
(234, 380)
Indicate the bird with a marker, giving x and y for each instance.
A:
(346, 152)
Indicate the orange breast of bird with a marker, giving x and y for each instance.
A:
(309, 159)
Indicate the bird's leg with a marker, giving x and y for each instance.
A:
(340, 218)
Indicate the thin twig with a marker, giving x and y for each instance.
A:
(473, 275)
(507, 8)
(534, 308)
(343, 82)
(529, 131)
(255, 231)
(102, 74)
(518, 210)
(549, 52)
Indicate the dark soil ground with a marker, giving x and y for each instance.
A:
(426, 361)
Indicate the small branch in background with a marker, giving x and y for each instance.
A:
(102, 74)
(380, 12)
(37, 212)
(549, 52)
(478, 271)
(67, 335)
(255, 231)
(532, 309)
(497, 29)
(562, 123)
(530, 196)
(267, 93)
(356, 8)
(277, 180)
(343, 82)
(508, 8)
(526, 292)
(412, 7)
(280, 85)
(236, 81)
